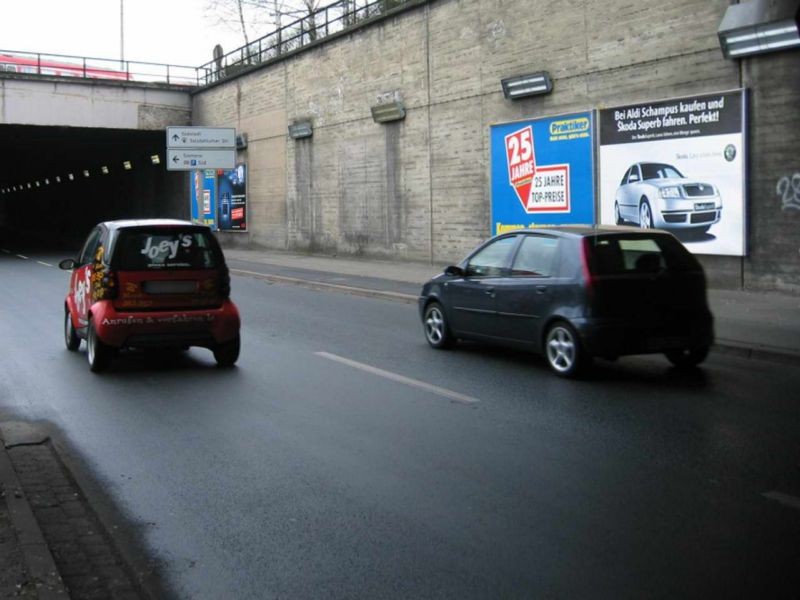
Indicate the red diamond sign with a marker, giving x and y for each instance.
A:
(521, 163)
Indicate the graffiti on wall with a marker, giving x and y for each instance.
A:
(788, 189)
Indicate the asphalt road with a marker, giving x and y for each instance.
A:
(344, 458)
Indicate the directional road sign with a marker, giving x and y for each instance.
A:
(190, 148)
(189, 159)
(201, 137)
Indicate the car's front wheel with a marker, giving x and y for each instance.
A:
(563, 350)
(617, 216)
(437, 331)
(688, 357)
(227, 354)
(71, 339)
(645, 215)
(98, 353)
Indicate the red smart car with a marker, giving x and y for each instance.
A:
(150, 283)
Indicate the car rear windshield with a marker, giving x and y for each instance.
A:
(165, 248)
(638, 253)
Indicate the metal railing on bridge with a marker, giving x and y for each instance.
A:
(59, 65)
(326, 21)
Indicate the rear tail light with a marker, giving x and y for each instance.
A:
(585, 268)
(225, 282)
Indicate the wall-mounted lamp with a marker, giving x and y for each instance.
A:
(300, 129)
(155, 159)
(759, 26)
(241, 141)
(391, 111)
(521, 86)
(126, 164)
(104, 170)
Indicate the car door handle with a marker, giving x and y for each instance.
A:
(489, 292)
(541, 289)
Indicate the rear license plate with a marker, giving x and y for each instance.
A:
(169, 287)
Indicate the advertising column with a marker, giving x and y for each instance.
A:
(542, 172)
(677, 165)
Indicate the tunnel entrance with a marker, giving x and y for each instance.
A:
(58, 182)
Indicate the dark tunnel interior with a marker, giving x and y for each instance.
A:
(48, 201)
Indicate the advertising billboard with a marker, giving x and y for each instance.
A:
(232, 198)
(218, 198)
(542, 172)
(203, 191)
(678, 165)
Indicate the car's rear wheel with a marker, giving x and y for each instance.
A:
(563, 351)
(71, 339)
(645, 215)
(227, 354)
(98, 353)
(437, 331)
(687, 357)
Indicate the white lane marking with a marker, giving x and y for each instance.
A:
(434, 389)
(22, 256)
(44, 263)
(785, 499)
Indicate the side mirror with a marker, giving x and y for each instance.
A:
(67, 264)
(454, 271)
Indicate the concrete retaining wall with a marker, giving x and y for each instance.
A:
(419, 189)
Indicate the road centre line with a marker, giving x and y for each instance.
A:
(22, 256)
(434, 389)
(44, 263)
(785, 499)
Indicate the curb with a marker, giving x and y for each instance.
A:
(319, 285)
(722, 346)
(743, 350)
(35, 553)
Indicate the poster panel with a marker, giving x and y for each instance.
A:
(203, 194)
(232, 198)
(678, 165)
(542, 172)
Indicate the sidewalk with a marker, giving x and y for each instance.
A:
(750, 324)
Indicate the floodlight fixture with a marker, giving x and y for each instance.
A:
(58, 178)
(85, 172)
(522, 86)
(388, 112)
(300, 129)
(127, 165)
(71, 177)
(104, 170)
(759, 26)
(38, 184)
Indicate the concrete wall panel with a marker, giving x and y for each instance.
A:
(419, 189)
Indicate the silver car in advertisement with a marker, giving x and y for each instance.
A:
(658, 195)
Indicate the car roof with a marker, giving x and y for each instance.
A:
(584, 230)
(128, 223)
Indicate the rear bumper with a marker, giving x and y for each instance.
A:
(611, 337)
(205, 327)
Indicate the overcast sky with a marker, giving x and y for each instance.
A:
(177, 32)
